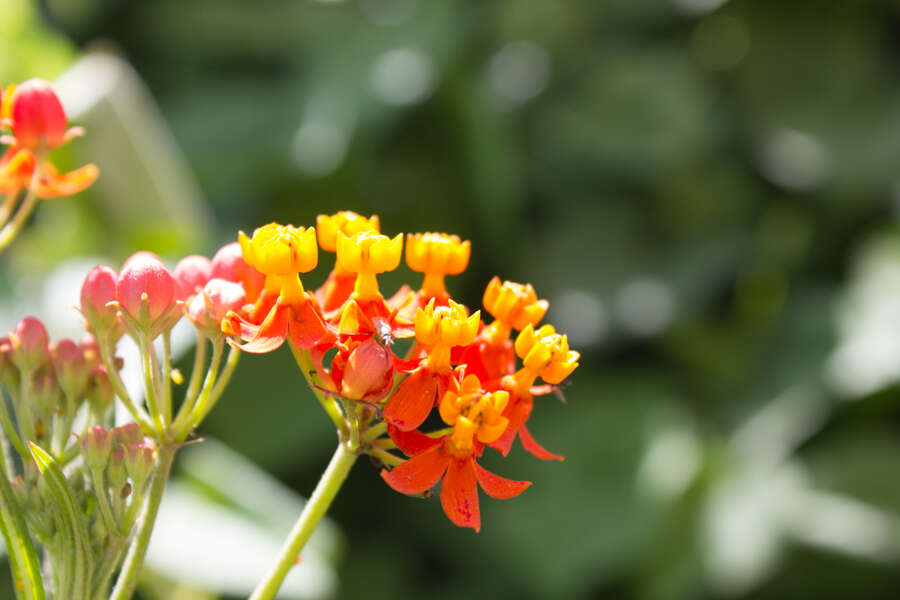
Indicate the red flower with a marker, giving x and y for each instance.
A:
(436, 459)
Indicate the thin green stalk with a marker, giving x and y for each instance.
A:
(206, 404)
(10, 430)
(312, 513)
(385, 456)
(185, 420)
(190, 396)
(23, 408)
(6, 209)
(166, 376)
(11, 229)
(134, 560)
(138, 413)
(312, 380)
(109, 521)
(151, 375)
(375, 431)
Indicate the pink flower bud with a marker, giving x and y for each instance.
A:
(30, 344)
(207, 309)
(72, 370)
(368, 374)
(192, 273)
(139, 459)
(128, 434)
(39, 120)
(96, 446)
(146, 291)
(98, 289)
(228, 264)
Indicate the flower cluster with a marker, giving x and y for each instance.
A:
(36, 124)
(343, 334)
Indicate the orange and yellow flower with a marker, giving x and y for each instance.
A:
(436, 255)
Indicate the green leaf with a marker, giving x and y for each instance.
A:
(23, 559)
(73, 517)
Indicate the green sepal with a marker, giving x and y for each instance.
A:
(73, 517)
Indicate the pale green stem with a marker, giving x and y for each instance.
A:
(23, 409)
(166, 377)
(385, 456)
(312, 513)
(202, 409)
(190, 396)
(97, 476)
(185, 421)
(11, 430)
(151, 374)
(312, 379)
(138, 413)
(134, 560)
(6, 209)
(11, 229)
(375, 431)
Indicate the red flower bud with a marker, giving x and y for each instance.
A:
(96, 446)
(192, 273)
(368, 374)
(207, 309)
(72, 370)
(30, 344)
(228, 264)
(146, 291)
(39, 120)
(98, 289)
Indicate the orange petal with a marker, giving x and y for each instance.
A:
(305, 325)
(459, 494)
(52, 185)
(530, 444)
(409, 406)
(419, 473)
(267, 337)
(412, 442)
(517, 411)
(499, 487)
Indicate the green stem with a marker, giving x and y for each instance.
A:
(312, 513)
(98, 479)
(207, 404)
(139, 414)
(11, 230)
(190, 396)
(6, 209)
(312, 380)
(11, 433)
(187, 418)
(374, 431)
(151, 381)
(134, 560)
(166, 376)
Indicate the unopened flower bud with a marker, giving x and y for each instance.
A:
(139, 460)
(9, 372)
(229, 264)
(368, 373)
(207, 309)
(98, 290)
(192, 273)
(39, 120)
(30, 344)
(100, 391)
(128, 434)
(96, 446)
(72, 369)
(115, 469)
(146, 291)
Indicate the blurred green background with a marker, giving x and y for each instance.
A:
(707, 192)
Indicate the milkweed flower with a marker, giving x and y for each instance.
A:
(436, 255)
(476, 419)
(438, 329)
(280, 252)
(340, 283)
